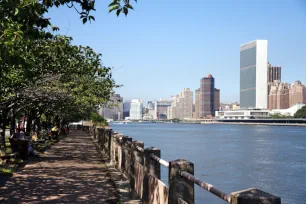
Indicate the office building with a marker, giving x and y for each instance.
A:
(279, 95)
(126, 109)
(182, 104)
(207, 96)
(113, 110)
(150, 105)
(274, 73)
(197, 102)
(136, 109)
(217, 99)
(253, 75)
(161, 109)
(297, 93)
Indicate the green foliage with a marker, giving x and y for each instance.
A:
(279, 116)
(176, 120)
(97, 119)
(301, 113)
(119, 7)
(42, 75)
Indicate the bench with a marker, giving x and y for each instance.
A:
(21, 147)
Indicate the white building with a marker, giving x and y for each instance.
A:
(242, 114)
(288, 112)
(136, 109)
(253, 75)
(161, 109)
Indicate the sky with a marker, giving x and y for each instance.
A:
(164, 46)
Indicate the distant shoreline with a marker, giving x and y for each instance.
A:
(251, 123)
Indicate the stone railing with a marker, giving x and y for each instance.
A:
(141, 167)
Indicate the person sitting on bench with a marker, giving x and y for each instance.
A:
(54, 132)
(21, 136)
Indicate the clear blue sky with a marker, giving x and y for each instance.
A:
(167, 45)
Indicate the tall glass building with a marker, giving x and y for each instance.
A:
(253, 75)
(207, 96)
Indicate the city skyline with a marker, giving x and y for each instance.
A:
(157, 48)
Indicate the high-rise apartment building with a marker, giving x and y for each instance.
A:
(279, 95)
(253, 75)
(160, 109)
(113, 110)
(297, 93)
(196, 114)
(217, 99)
(207, 96)
(126, 109)
(182, 105)
(274, 73)
(136, 109)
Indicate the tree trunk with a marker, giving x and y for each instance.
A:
(2, 135)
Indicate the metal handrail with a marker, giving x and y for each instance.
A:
(161, 161)
(139, 148)
(210, 188)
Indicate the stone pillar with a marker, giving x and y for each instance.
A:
(99, 135)
(151, 168)
(179, 187)
(110, 133)
(253, 195)
(137, 155)
(94, 132)
(126, 156)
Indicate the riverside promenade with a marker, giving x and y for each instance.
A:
(72, 171)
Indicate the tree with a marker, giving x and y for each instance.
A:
(301, 113)
(42, 74)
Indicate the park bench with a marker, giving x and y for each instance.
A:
(21, 147)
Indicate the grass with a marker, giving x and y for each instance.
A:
(10, 166)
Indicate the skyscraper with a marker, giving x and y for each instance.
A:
(160, 108)
(114, 108)
(297, 93)
(207, 96)
(136, 109)
(181, 106)
(217, 99)
(126, 109)
(197, 104)
(253, 75)
(274, 73)
(279, 95)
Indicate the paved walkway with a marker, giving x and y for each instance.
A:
(70, 172)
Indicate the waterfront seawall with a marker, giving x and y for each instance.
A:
(141, 167)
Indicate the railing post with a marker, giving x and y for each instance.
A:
(110, 133)
(126, 156)
(152, 167)
(99, 135)
(94, 132)
(179, 187)
(253, 195)
(137, 155)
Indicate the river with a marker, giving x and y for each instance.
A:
(232, 157)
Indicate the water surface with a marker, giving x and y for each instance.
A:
(232, 157)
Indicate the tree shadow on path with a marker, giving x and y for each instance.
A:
(70, 172)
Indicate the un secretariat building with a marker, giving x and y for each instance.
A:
(253, 75)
